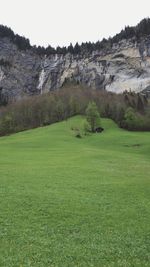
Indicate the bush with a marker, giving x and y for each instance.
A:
(135, 121)
(77, 132)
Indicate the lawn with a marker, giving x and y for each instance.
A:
(70, 202)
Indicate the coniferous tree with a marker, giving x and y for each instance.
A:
(93, 116)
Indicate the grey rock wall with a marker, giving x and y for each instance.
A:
(125, 67)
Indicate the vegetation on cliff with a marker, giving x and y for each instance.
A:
(141, 30)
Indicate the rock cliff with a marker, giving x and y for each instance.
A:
(126, 66)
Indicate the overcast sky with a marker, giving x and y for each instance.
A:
(59, 22)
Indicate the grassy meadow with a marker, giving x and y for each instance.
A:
(69, 202)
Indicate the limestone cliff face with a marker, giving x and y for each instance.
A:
(126, 66)
(19, 70)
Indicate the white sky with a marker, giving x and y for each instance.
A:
(59, 22)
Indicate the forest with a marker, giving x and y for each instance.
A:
(129, 110)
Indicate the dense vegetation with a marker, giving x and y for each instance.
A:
(3, 98)
(130, 111)
(141, 30)
(21, 42)
(75, 202)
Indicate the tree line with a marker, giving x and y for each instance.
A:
(141, 30)
(130, 111)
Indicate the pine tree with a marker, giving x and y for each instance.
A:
(93, 116)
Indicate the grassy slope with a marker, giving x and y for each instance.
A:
(75, 202)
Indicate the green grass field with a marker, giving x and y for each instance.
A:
(68, 202)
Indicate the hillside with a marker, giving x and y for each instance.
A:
(75, 202)
(117, 64)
